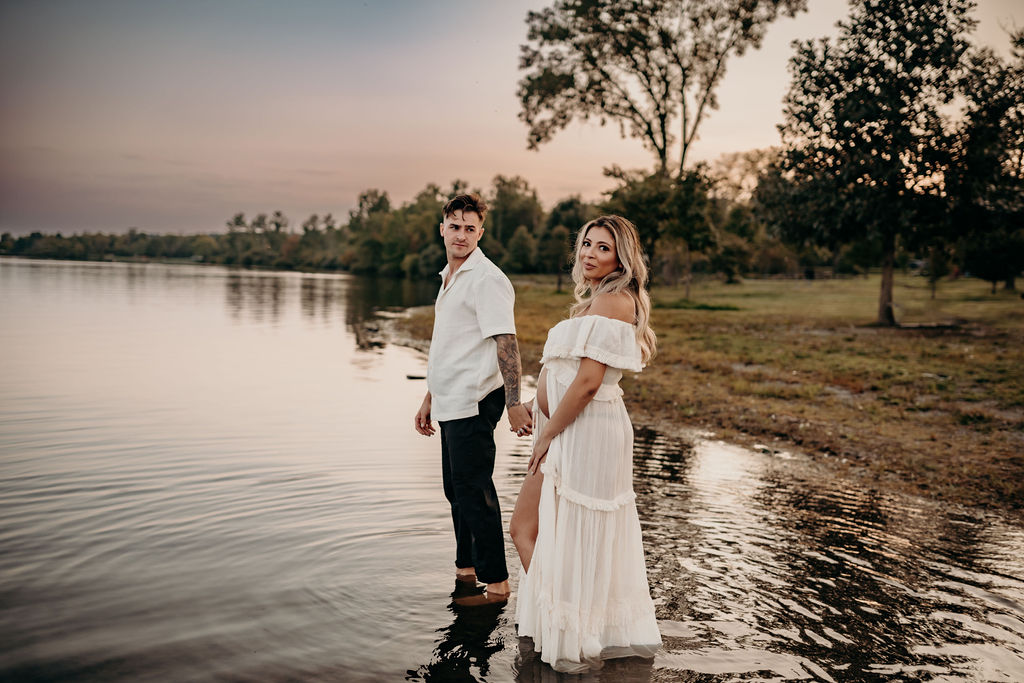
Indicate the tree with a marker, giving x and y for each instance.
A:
(310, 224)
(986, 180)
(664, 207)
(571, 212)
(369, 202)
(995, 255)
(421, 217)
(938, 265)
(205, 247)
(237, 229)
(731, 257)
(736, 175)
(514, 203)
(279, 221)
(431, 260)
(459, 186)
(652, 67)
(258, 224)
(863, 131)
(553, 252)
(366, 227)
(520, 254)
(555, 243)
(237, 223)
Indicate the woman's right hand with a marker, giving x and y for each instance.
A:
(540, 453)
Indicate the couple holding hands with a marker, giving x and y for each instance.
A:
(583, 594)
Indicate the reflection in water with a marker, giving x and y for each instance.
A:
(259, 297)
(759, 568)
(256, 295)
(320, 296)
(367, 295)
(530, 669)
(202, 477)
(465, 646)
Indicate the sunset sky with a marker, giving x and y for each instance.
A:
(172, 116)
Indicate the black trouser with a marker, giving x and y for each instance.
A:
(467, 462)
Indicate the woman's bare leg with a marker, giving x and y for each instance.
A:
(523, 525)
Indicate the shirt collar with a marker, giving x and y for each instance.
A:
(471, 261)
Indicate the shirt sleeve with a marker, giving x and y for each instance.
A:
(495, 304)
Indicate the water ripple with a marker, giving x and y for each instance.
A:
(203, 478)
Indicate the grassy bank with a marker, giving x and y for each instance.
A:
(936, 410)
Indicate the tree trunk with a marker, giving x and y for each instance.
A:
(649, 254)
(1010, 283)
(886, 316)
(689, 262)
(932, 279)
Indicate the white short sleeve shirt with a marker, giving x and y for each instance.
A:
(462, 366)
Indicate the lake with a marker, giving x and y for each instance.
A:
(209, 474)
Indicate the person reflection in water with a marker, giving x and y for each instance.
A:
(473, 374)
(583, 592)
(465, 646)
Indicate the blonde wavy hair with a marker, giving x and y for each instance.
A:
(630, 277)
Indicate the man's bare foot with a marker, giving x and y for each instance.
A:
(467, 574)
(495, 594)
(485, 598)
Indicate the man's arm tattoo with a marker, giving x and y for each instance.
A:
(510, 365)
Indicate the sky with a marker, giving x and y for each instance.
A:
(173, 116)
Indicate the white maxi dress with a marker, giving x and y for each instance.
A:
(586, 597)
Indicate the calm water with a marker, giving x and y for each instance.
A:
(204, 477)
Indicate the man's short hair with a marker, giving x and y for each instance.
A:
(466, 202)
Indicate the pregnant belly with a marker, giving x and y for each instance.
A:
(542, 393)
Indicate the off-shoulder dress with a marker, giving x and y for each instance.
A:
(586, 597)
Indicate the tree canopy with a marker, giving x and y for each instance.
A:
(863, 129)
(652, 66)
(986, 179)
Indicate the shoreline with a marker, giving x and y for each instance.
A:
(934, 409)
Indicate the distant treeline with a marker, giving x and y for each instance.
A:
(729, 232)
(734, 238)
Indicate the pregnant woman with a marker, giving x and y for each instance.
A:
(583, 593)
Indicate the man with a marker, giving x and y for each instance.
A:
(473, 373)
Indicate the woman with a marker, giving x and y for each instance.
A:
(583, 593)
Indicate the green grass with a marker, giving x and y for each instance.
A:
(694, 305)
(936, 410)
